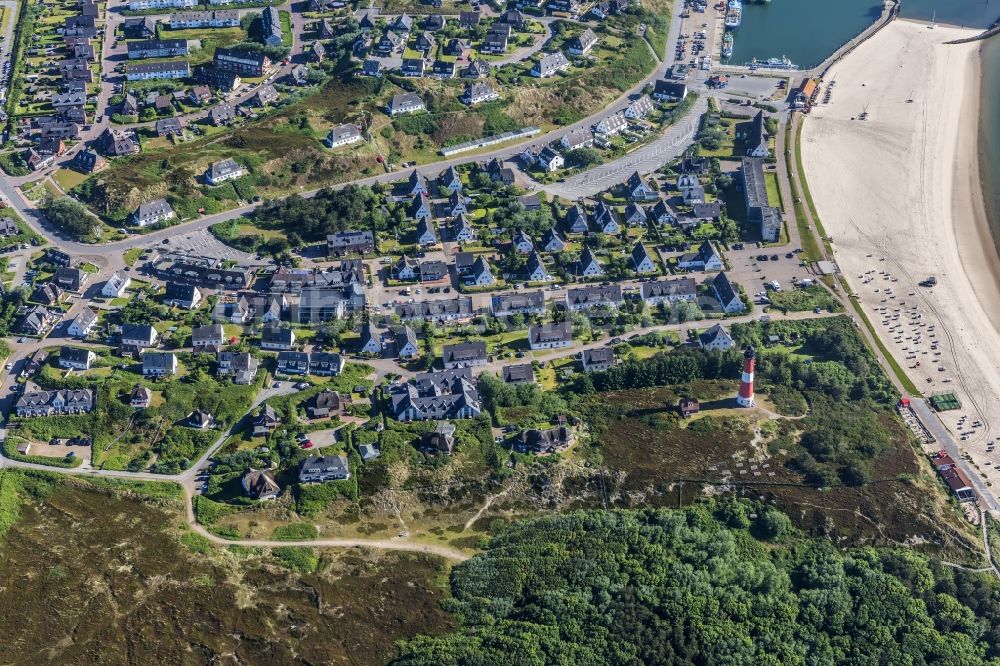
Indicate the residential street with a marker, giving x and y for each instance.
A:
(646, 159)
(651, 155)
(192, 237)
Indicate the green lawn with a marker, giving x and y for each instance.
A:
(131, 256)
(68, 179)
(286, 28)
(773, 192)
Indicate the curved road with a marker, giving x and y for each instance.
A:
(36, 220)
(187, 479)
(187, 482)
(654, 152)
(645, 159)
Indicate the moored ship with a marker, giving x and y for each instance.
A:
(772, 63)
(734, 14)
(727, 45)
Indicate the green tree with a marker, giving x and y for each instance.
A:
(72, 217)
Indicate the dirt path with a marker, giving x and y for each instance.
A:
(379, 544)
(485, 507)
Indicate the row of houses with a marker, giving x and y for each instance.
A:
(325, 364)
(144, 5)
(73, 73)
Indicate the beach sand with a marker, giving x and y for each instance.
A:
(903, 184)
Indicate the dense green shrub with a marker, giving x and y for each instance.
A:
(696, 587)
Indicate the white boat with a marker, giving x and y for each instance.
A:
(772, 63)
(727, 45)
(734, 14)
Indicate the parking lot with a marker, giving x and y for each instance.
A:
(204, 244)
(753, 271)
(60, 449)
(699, 33)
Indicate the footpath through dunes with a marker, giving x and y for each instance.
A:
(899, 192)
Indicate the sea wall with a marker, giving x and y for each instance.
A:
(986, 34)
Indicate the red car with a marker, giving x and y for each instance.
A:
(306, 445)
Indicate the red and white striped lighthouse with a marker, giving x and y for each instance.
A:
(745, 396)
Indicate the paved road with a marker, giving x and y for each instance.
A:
(401, 544)
(646, 159)
(188, 483)
(946, 441)
(39, 224)
(111, 57)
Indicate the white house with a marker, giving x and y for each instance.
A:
(425, 233)
(371, 343)
(598, 360)
(522, 243)
(82, 324)
(139, 335)
(536, 269)
(726, 293)
(462, 230)
(605, 219)
(550, 336)
(74, 358)
(482, 276)
(116, 285)
(550, 160)
(641, 261)
(552, 241)
(343, 135)
(407, 347)
(210, 337)
(611, 125)
(639, 108)
(588, 266)
(159, 364)
(151, 212)
(550, 65)
(669, 291)
(716, 338)
(224, 170)
(182, 295)
(705, 259)
(579, 46)
(578, 138)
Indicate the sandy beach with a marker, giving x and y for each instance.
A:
(899, 193)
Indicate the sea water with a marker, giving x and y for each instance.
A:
(804, 31)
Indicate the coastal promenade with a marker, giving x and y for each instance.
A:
(899, 194)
